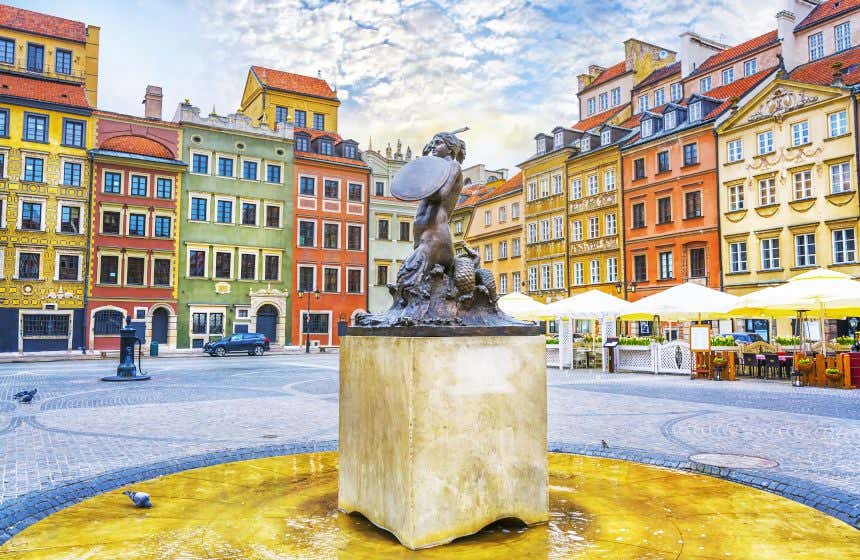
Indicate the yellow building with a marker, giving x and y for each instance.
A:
(496, 232)
(41, 45)
(788, 178)
(46, 129)
(275, 96)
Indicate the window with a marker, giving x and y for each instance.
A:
(110, 222)
(695, 112)
(541, 145)
(249, 170)
(593, 227)
(738, 256)
(515, 247)
(34, 169)
(735, 150)
(705, 84)
(319, 121)
(816, 46)
(382, 275)
(606, 137)
(108, 269)
(35, 128)
(307, 186)
(354, 236)
(349, 151)
(281, 114)
(765, 142)
(515, 281)
(611, 224)
(770, 253)
(669, 120)
(576, 189)
(693, 204)
(842, 32)
(664, 210)
(161, 272)
(804, 249)
(840, 177)
(249, 213)
(247, 266)
(544, 187)
(592, 106)
(223, 264)
(612, 269)
(137, 224)
(503, 214)
(594, 269)
(307, 234)
(666, 266)
(647, 128)
(224, 212)
(31, 216)
(663, 162)
(164, 188)
(29, 266)
(503, 283)
(35, 58)
(578, 274)
(532, 278)
(379, 188)
(74, 133)
(728, 76)
(4, 121)
(697, 263)
(736, 197)
(71, 174)
(382, 229)
(659, 97)
(107, 322)
(134, 272)
(592, 185)
(558, 139)
(162, 226)
(303, 143)
(577, 230)
(691, 154)
(558, 275)
(532, 233)
(196, 263)
(676, 92)
(603, 101)
(331, 236)
(225, 167)
(331, 188)
(113, 182)
(316, 323)
(326, 147)
(458, 227)
(844, 246)
(767, 191)
(301, 118)
(307, 278)
(639, 168)
(503, 249)
(354, 280)
(616, 96)
(354, 192)
(544, 230)
(405, 231)
(198, 209)
(7, 51)
(200, 164)
(639, 215)
(609, 180)
(488, 253)
(750, 67)
(640, 268)
(838, 123)
(556, 184)
(138, 185)
(803, 185)
(643, 103)
(70, 219)
(800, 133)
(557, 227)
(331, 279)
(273, 216)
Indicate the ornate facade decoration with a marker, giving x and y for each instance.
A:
(780, 103)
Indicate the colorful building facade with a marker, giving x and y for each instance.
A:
(273, 96)
(235, 228)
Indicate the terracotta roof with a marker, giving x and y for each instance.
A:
(740, 50)
(511, 185)
(612, 72)
(827, 10)
(296, 83)
(632, 122)
(42, 24)
(333, 159)
(43, 90)
(821, 71)
(659, 74)
(736, 89)
(469, 196)
(136, 145)
(314, 133)
(134, 118)
(598, 119)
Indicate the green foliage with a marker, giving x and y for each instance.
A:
(722, 341)
(845, 340)
(832, 371)
(804, 361)
(635, 341)
(719, 361)
(788, 340)
(551, 340)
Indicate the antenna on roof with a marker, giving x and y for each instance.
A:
(319, 74)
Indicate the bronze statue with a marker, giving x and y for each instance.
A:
(434, 286)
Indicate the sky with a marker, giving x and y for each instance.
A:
(402, 69)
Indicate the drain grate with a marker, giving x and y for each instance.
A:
(731, 461)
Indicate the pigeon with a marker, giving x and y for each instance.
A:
(139, 499)
(22, 394)
(26, 398)
(603, 444)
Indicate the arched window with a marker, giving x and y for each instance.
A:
(107, 322)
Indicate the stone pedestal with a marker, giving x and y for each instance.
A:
(441, 436)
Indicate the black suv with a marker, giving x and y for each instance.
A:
(252, 343)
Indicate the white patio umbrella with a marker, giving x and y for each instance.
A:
(592, 304)
(684, 302)
(521, 306)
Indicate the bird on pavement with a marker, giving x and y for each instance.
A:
(139, 499)
(603, 444)
(22, 394)
(26, 398)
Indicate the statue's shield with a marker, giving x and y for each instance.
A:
(420, 178)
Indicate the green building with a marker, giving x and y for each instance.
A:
(235, 228)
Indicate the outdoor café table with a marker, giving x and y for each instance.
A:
(784, 360)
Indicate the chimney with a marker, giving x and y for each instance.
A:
(695, 50)
(152, 103)
(785, 22)
(837, 75)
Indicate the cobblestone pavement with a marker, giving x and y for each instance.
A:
(81, 435)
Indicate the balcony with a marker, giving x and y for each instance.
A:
(20, 67)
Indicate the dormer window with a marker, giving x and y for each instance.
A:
(541, 145)
(695, 113)
(349, 151)
(558, 139)
(585, 144)
(669, 120)
(302, 143)
(647, 128)
(605, 137)
(326, 147)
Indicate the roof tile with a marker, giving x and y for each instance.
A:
(827, 10)
(737, 51)
(44, 90)
(821, 71)
(736, 89)
(612, 72)
(137, 145)
(296, 83)
(42, 24)
(598, 119)
(659, 74)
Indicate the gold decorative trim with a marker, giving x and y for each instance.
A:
(767, 211)
(802, 205)
(840, 199)
(735, 216)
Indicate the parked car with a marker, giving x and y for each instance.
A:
(745, 337)
(252, 343)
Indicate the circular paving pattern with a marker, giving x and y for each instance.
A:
(731, 461)
(285, 507)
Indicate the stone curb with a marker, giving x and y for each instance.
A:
(19, 513)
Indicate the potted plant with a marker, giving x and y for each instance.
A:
(719, 362)
(833, 374)
(804, 365)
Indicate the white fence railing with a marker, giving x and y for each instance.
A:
(670, 357)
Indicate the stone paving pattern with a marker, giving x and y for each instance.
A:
(82, 436)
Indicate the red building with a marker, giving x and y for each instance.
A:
(136, 183)
(331, 234)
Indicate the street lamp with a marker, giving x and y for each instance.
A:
(631, 287)
(300, 294)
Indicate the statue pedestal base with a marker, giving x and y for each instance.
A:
(441, 436)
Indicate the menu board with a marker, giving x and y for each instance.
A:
(700, 338)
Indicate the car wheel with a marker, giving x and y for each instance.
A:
(258, 350)
(221, 352)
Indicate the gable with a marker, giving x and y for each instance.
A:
(778, 100)
(251, 90)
